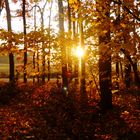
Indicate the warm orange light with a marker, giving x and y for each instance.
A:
(78, 51)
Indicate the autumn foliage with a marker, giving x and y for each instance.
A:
(42, 112)
(64, 96)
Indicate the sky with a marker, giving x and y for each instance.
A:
(17, 22)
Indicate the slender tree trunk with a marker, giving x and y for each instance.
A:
(38, 66)
(126, 37)
(49, 53)
(83, 73)
(63, 47)
(43, 72)
(76, 59)
(121, 69)
(82, 61)
(70, 31)
(34, 66)
(74, 25)
(134, 66)
(117, 74)
(69, 16)
(117, 55)
(34, 53)
(11, 56)
(127, 75)
(43, 48)
(37, 48)
(49, 66)
(105, 61)
(25, 44)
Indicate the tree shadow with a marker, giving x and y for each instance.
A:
(111, 125)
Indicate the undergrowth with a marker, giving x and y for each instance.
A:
(44, 113)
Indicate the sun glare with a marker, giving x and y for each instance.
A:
(79, 52)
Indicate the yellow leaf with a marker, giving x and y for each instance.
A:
(73, 1)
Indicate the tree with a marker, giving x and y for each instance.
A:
(49, 41)
(129, 38)
(105, 55)
(43, 47)
(102, 24)
(132, 44)
(102, 18)
(11, 56)
(69, 12)
(63, 47)
(74, 29)
(34, 53)
(25, 44)
(83, 73)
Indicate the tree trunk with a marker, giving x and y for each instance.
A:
(76, 59)
(11, 56)
(38, 66)
(121, 70)
(43, 48)
(25, 45)
(105, 80)
(127, 75)
(105, 61)
(135, 62)
(49, 53)
(69, 46)
(34, 66)
(83, 74)
(117, 75)
(134, 66)
(34, 53)
(117, 55)
(63, 47)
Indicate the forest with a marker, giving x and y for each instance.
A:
(73, 69)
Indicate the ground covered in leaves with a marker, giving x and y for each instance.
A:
(43, 113)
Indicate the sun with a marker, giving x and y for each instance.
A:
(79, 52)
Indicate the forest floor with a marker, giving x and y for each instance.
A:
(42, 113)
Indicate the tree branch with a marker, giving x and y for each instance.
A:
(126, 8)
(126, 53)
